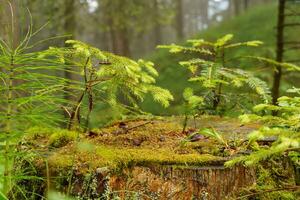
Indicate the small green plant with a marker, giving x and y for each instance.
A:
(29, 96)
(191, 103)
(214, 70)
(107, 78)
(212, 133)
(284, 128)
(284, 132)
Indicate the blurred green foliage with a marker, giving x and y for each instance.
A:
(245, 28)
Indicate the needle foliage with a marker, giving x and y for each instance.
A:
(214, 71)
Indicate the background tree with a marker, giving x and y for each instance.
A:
(4, 13)
(179, 20)
(120, 26)
(286, 49)
(279, 51)
(157, 25)
(69, 26)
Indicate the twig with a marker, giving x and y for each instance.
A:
(66, 110)
(137, 126)
(291, 24)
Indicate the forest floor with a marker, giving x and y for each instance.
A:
(140, 141)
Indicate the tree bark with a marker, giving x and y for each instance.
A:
(120, 41)
(236, 5)
(279, 52)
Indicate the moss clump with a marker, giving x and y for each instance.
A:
(37, 132)
(49, 137)
(62, 137)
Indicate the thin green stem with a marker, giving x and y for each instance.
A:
(7, 171)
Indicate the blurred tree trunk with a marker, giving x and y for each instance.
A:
(4, 12)
(246, 4)
(231, 8)
(70, 18)
(119, 39)
(179, 19)
(157, 26)
(204, 13)
(69, 25)
(9, 21)
(279, 52)
(118, 30)
(237, 6)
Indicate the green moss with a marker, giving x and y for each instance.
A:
(53, 137)
(60, 161)
(37, 131)
(204, 147)
(152, 142)
(115, 158)
(62, 137)
(128, 156)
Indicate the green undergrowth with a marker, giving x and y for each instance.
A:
(275, 179)
(156, 141)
